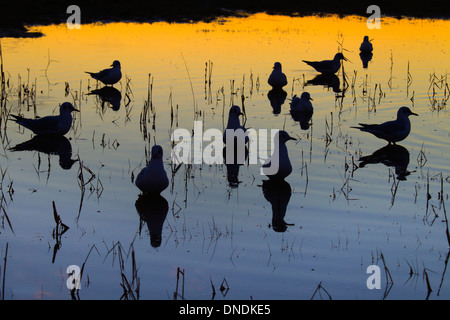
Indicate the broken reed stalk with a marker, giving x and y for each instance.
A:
(176, 294)
(320, 287)
(429, 290)
(4, 272)
(192, 88)
(60, 228)
(3, 198)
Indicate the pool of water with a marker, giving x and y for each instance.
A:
(342, 217)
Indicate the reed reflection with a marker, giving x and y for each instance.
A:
(392, 155)
(278, 193)
(152, 210)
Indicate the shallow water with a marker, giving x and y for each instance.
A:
(344, 218)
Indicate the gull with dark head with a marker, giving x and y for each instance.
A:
(366, 45)
(327, 66)
(278, 166)
(108, 76)
(302, 104)
(50, 125)
(391, 131)
(277, 78)
(153, 179)
(234, 122)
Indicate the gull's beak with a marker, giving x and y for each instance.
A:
(414, 114)
(290, 138)
(311, 99)
(76, 110)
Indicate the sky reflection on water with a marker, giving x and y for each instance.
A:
(340, 217)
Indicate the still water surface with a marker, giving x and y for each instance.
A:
(342, 218)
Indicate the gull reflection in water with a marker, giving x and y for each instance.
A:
(366, 57)
(108, 95)
(392, 155)
(153, 211)
(303, 118)
(234, 165)
(52, 145)
(278, 193)
(277, 98)
(326, 80)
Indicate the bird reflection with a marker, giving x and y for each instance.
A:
(366, 57)
(277, 98)
(392, 155)
(57, 145)
(327, 80)
(234, 164)
(303, 118)
(278, 193)
(108, 95)
(153, 210)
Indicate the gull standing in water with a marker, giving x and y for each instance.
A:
(153, 178)
(366, 45)
(277, 78)
(302, 104)
(108, 76)
(391, 131)
(327, 66)
(283, 166)
(50, 125)
(233, 122)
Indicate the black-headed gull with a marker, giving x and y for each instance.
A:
(234, 122)
(391, 131)
(277, 78)
(327, 66)
(278, 166)
(153, 178)
(366, 45)
(108, 76)
(50, 125)
(302, 104)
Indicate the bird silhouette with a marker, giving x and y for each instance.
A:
(278, 166)
(108, 76)
(153, 178)
(391, 131)
(277, 78)
(49, 125)
(366, 45)
(327, 66)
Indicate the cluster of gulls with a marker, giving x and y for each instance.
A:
(153, 179)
